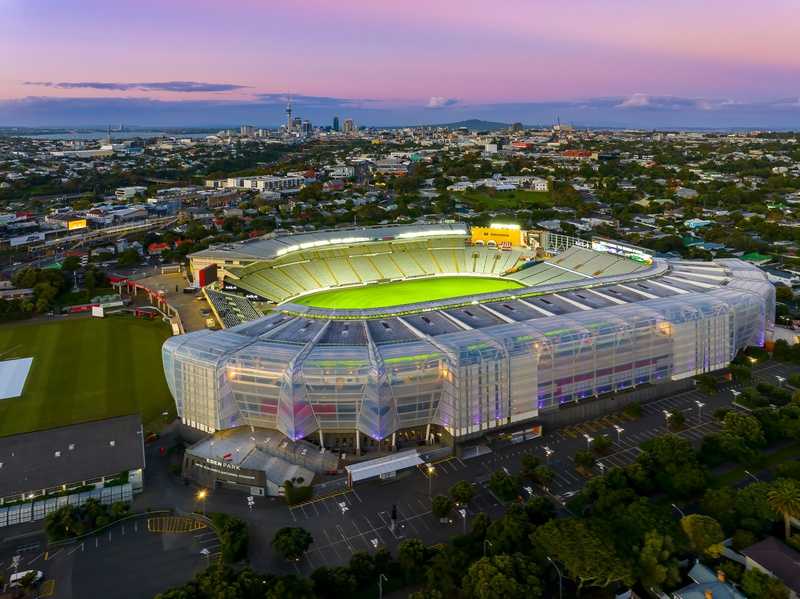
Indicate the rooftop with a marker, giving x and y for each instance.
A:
(67, 454)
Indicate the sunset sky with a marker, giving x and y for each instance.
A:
(593, 62)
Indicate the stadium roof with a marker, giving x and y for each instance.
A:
(68, 454)
(268, 248)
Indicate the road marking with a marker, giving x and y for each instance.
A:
(36, 558)
(75, 549)
(346, 542)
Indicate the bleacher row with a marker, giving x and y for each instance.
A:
(349, 266)
(231, 309)
(575, 264)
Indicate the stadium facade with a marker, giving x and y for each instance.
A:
(593, 318)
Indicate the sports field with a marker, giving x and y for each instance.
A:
(382, 295)
(85, 369)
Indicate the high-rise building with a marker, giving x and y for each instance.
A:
(306, 128)
(336, 123)
(296, 124)
(349, 126)
(247, 130)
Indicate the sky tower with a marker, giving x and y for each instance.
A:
(289, 112)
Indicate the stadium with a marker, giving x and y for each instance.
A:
(446, 331)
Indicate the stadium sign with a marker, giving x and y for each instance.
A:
(225, 465)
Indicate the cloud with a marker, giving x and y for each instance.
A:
(640, 101)
(441, 102)
(314, 101)
(167, 86)
(635, 101)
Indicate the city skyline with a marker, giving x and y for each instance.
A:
(604, 63)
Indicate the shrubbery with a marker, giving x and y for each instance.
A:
(74, 521)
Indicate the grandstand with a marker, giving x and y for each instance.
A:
(592, 318)
(230, 310)
(278, 272)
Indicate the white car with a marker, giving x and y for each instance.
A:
(15, 580)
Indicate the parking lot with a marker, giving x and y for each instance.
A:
(359, 519)
(131, 560)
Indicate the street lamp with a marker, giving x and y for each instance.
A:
(547, 453)
(667, 416)
(589, 440)
(201, 497)
(560, 577)
(485, 543)
(619, 430)
(381, 578)
(430, 470)
(680, 511)
(699, 405)
(781, 380)
(463, 513)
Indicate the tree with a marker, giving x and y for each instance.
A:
(412, 555)
(233, 536)
(71, 264)
(539, 510)
(333, 583)
(657, 566)
(784, 499)
(584, 459)
(676, 421)
(633, 410)
(602, 445)
(292, 542)
(129, 257)
(509, 532)
(362, 566)
(753, 509)
(529, 463)
(441, 506)
(704, 533)
(707, 384)
(502, 577)
(588, 557)
(758, 585)
(462, 492)
(504, 485)
(746, 427)
(544, 475)
(720, 504)
(740, 373)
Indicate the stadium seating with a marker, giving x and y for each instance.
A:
(308, 271)
(232, 309)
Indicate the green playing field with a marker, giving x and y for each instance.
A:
(85, 369)
(382, 295)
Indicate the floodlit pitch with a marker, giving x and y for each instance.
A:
(383, 295)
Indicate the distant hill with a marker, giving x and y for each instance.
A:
(476, 125)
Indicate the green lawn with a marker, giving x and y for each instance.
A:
(405, 292)
(85, 369)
